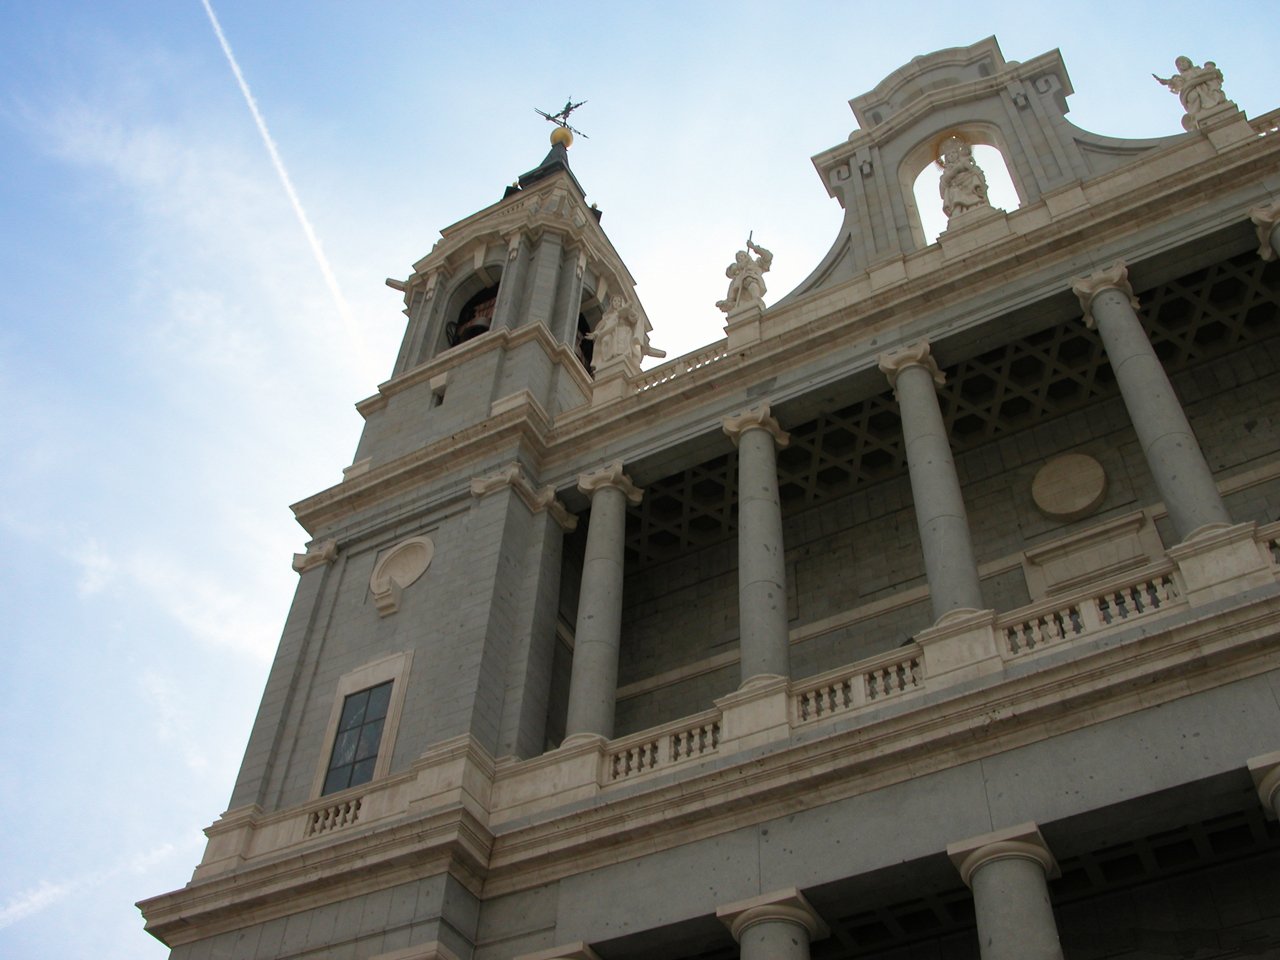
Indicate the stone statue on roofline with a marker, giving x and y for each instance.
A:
(1198, 88)
(963, 185)
(746, 279)
(621, 334)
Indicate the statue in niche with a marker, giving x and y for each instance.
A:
(1198, 88)
(963, 186)
(746, 278)
(621, 333)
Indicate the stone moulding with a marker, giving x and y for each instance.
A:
(318, 554)
(536, 499)
(399, 568)
(508, 826)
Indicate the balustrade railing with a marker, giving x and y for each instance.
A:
(1034, 628)
(332, 817)
(869, 681)
(683, 365)
(665, 747)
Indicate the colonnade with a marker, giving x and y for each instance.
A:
(1175, 459)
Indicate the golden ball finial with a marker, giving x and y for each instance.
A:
(562, 135)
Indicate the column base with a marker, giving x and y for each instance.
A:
(755, 715)
(961, 645)
(1218, 561)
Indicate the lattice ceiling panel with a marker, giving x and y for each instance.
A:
(1028, 381)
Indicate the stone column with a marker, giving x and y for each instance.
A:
(763, 645)
(1174, 457)
(594, 680)
(1266, 219)
(1008, 872)
(1265, 771)
(935, 488)
(776, 926)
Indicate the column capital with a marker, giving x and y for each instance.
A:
(318, 554)
(1265, 771)
(918, 354)
(610, 475)
(788, 905)
(537, 500)
(1265, 219)
(756, 418)
(1022, 842)
(1114, 277)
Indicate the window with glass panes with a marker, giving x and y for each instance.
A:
(355, 748)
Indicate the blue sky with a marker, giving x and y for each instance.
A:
(175, 368)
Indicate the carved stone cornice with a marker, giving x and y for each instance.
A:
(537, 500)
(756, 418)
(1022, 842)
(788, 905)
(610, 475)
(1265, 219)
(578, 950)
(1114, 277)
(318, 554)
(893, 362)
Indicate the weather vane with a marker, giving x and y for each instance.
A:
(561, 119)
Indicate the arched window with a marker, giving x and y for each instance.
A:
(475, 317)
(1001, 192)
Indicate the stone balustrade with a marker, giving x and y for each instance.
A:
(456, 772)
(1034, 628)
(661, 747)
(681, 366)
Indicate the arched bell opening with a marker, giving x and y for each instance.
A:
(468, 310)
(921, 173)
(475, 317)
(588, 318)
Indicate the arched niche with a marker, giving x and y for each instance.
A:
(590, 310)
(924, 155)
(463, 297)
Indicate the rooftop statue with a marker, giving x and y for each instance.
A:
(1199, 89)
(963, 186)
(746, 279)
(621, 334)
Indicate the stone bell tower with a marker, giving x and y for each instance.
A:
(423, 630)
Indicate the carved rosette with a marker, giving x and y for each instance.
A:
(1114, 277)
(318, 554)
(757, 418)
(918, 354)
(610, 475)
(1265, 220)
(536, 499)
(399, 568)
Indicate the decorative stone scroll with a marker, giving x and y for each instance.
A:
(610, 475)
(537, 500)
(1266, 219)
(399, 568)
(893, 362)
(318, 554)
(757, 418)
(1114, 277)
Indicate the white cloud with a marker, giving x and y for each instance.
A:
(97, 569)
(46, 893)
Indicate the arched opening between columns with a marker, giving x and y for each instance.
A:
(920, 172)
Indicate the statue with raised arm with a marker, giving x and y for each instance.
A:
(963, 185)
(1198, 88)
(746, 278)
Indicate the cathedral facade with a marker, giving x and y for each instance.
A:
(933, 612)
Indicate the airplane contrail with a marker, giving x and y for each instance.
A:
(316, 249)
